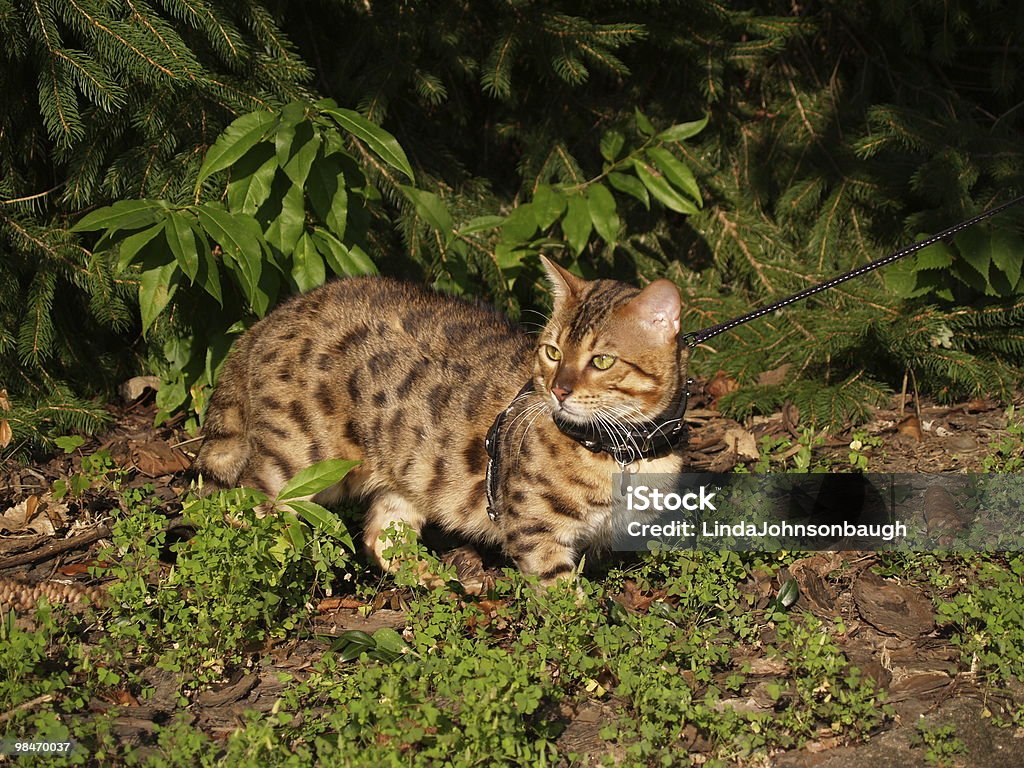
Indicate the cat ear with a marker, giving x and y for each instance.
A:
(657, 307)
(563, 282)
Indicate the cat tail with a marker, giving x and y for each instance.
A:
(226, 449)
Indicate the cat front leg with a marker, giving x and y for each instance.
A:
(386, 510)
(533, 545)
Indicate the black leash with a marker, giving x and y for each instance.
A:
(693, 338)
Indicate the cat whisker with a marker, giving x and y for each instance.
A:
(628, 438)
(531, 413)
(619, 433)
(542, 316)
(522, 415)
(522, 440)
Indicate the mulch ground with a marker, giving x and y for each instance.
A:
(46, 546)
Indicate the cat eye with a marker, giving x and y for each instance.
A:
(553, 353)
(602, 362)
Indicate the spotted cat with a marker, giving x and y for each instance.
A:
(412, 382)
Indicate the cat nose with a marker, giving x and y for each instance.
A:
(561, 392)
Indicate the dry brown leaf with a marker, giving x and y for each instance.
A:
(136, 387)
(6, 435)
(5, 401)
(75, 569)
(156, 458)
(25, 517)
(742, 443)
(790, 418)
(911, 426)
(774, 376)
(721, 384)
(328, 604)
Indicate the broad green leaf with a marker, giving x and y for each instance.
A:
(630, 185)
(335, 252)
(125, 214)
(285, 228)
(682, 131)
(353, 643)
(901, 279)
(283, 138)
(963, 271)
(676, 172)
(322, 519)
(156, 288)
(328, 193)
(307, 264)
(69, 443)
(661, 189)
(481, 224)
(642, 123)
(508, 256)
(251, 179)
(999, 283)
(389, 640)
(521, 225)
(431, 209)
(602, 212)
(548, 206)
(789, 593)
(237, 139)
(208, 275)
(1007, 253)
(300, 155)
(576, 225)
(293, 113)
(132, 244)
(339, 257)
(382, 143)
(182, 242)
(293, 537)
(315, 478)
(611, 145)
(937, 256)
(364, 264)
(239, 238)
(976, 249)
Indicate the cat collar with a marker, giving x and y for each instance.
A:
(632, 442)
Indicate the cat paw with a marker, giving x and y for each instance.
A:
(469, 569)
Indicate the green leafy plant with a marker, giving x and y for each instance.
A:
(1007, 454)
(862, 445)
(292, 203)
(986, 620)
(940, 743)
(983, 261)
(242, 577)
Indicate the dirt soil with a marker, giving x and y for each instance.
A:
(46, 546)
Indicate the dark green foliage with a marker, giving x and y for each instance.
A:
(837, 132)
(103, 101)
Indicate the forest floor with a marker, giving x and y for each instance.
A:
(938, 639)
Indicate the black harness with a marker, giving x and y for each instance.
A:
(661, 436)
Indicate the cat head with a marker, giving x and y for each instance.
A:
(609, 351)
